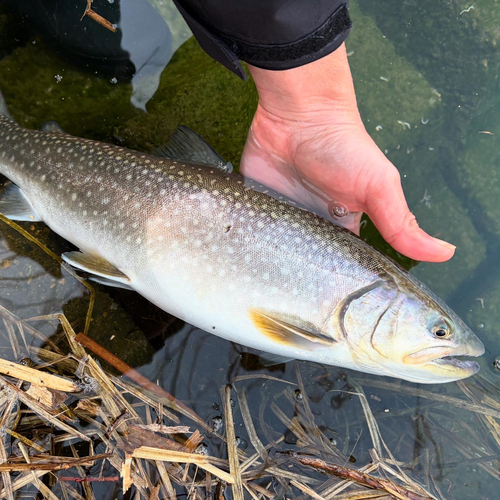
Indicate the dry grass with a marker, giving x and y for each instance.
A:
(141, 454)
(58, 407)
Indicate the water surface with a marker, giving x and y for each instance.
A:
(426, 75)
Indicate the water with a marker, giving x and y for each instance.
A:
(427, 86)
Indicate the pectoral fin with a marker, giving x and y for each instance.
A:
(98, 267)
(289, 330)
(15, 206)
(186, 145)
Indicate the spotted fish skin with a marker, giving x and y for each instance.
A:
(198, 242)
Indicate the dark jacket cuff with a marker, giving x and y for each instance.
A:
(274, 53)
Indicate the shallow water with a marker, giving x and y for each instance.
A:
(428, 89)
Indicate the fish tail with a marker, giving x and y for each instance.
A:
(3, 107)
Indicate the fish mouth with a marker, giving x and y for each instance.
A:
(453, 363)
(457, 365)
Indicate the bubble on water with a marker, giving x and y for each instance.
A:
(58, 78)
(241, 443)
(202, 449)
(88, 385)
(113, 80)
(337, 210)
(218, 424)
(299, 397)
(333, 441)
(496, 363)
(480, 326)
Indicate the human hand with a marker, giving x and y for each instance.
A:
(307, 141)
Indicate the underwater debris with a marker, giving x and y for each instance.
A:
(97, 18)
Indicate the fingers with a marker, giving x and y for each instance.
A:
(389, 212)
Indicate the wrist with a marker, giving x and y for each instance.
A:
(310, 91)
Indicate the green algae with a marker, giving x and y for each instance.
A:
(393, 96)
(454, 52)
(53, 89)
(486, 13)
(198, 92)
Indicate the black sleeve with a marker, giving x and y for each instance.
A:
(269, 34)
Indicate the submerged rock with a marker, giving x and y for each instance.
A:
(478, 164)
(406, 117)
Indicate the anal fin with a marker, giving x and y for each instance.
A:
(15, 206)
(100, 269)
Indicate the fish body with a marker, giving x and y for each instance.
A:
(215, 250)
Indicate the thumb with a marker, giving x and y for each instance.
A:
(390, 213)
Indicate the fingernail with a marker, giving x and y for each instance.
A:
(445, 244)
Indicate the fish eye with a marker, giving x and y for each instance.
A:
(440, 332)
(442, 329)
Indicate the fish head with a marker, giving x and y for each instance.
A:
(403, 330)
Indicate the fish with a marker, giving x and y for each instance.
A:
(230, 256)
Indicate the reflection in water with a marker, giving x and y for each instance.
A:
(139, 50)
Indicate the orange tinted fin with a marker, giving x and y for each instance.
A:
(285, 331)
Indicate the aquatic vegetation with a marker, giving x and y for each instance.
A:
(198, 92)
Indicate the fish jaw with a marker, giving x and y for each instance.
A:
(443, 362)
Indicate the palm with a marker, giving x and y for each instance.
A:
(327, 163)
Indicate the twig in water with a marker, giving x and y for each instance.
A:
(97, 18)
(109, 479)
(390, 487)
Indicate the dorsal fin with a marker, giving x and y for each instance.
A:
(186, 145)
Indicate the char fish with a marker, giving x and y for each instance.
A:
(216, 250)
